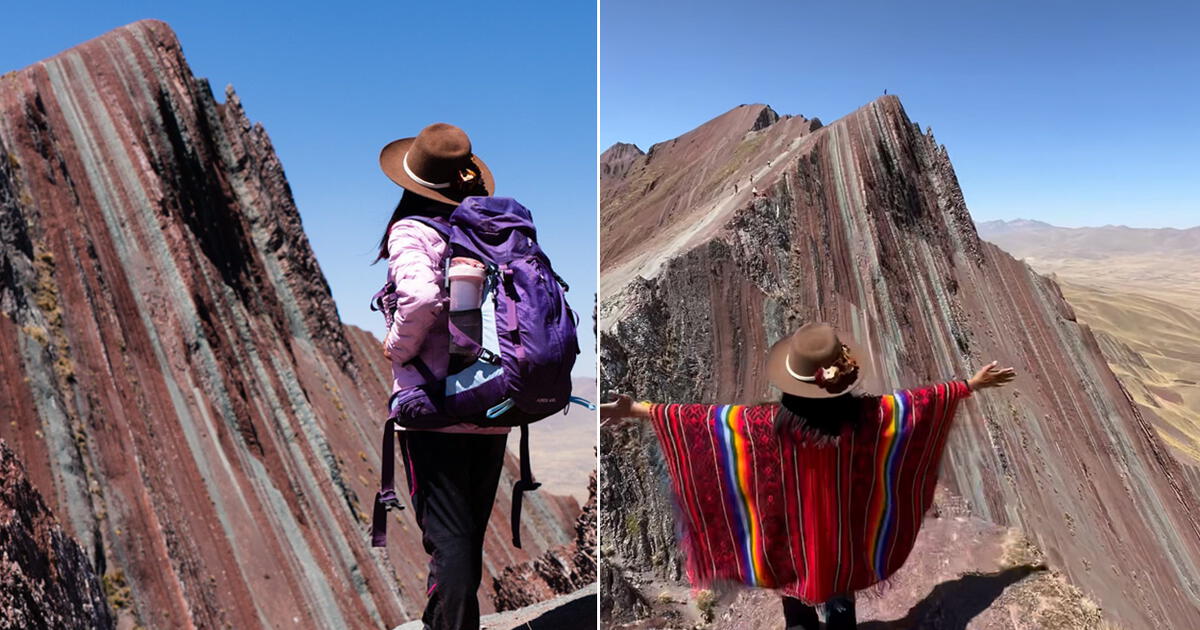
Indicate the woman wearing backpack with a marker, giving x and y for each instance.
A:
(452, 471)
(816, 496)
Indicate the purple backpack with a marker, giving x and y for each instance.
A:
(519, 365)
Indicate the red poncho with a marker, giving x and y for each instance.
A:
(813, 519)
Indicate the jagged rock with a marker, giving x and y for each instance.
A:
(46, 581)
(620, 600)
(173, 371)
(862, 223)
(558, 571)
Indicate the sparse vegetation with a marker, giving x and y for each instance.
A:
(633, 524)
(706, 603)
(1021, 551)
(37, 333)
(117, 590)
(65, 368)
(46, 298)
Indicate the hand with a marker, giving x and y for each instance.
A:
(621, 407)
(991, 376)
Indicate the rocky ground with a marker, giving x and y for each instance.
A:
(46, 579)
(559, 571)
(963, 573)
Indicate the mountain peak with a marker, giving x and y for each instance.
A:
(149, 29)
(615, 160)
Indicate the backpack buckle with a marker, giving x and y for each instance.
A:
(487, 356)
(506, 278)
(389, 500)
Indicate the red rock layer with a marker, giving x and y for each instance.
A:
(173, 371)
(862, 224)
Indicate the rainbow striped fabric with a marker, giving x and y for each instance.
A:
(811, 519)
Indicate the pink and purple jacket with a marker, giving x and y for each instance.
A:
(416, 255)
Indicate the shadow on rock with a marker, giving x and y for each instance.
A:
(952, 605)
(577, 613)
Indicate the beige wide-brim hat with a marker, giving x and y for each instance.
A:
(793, 361)
(437, 164)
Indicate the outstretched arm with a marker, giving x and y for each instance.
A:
(990, 376)
(624, 407)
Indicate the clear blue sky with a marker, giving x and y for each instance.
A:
(1070, 112)
(333, 82)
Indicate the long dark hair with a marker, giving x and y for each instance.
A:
(411, 204)
(823, 418)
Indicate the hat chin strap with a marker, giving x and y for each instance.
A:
(421, 181)
(787, 364)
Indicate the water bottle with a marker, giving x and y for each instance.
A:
(466, 277)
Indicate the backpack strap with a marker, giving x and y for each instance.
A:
(386, 498)
(436, 224)
(377, 299)
(423, 370)
(525, 483)
(508, 294)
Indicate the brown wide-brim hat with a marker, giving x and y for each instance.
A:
(813, 346)
(437, 164)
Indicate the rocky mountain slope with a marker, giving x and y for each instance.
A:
(862, 223)
(46, 580)
(175, 376)
(1139, 290)
(559, 571)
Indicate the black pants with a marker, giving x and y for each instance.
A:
(452, 478)
(839, 614)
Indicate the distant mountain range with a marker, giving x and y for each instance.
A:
(1025, 238)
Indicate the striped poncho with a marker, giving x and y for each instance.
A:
(813, 519)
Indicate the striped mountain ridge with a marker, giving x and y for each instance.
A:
(722, 241)
(173, 372)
